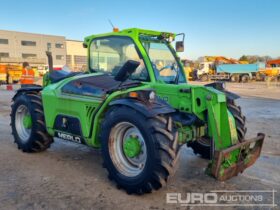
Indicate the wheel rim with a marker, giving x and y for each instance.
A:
(245, 79)
(234, 78)
(129, 165)
(23, 123)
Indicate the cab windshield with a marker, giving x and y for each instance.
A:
(165, 65)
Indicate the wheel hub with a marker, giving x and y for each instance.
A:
(27, 121)
(132, 147)
(127, 149)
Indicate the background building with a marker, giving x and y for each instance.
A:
(76, 55)
(17, 47)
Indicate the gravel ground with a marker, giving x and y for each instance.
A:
(70, 176)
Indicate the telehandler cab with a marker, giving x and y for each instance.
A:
(135, 104)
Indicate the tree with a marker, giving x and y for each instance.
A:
(266, 58)
(253, 59)
(243, 58)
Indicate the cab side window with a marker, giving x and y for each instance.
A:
(109, 54)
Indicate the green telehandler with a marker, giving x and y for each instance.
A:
(136, 106)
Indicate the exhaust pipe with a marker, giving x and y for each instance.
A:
(50, 61)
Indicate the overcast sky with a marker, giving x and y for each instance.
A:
(212, 27)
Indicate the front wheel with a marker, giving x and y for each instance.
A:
(140, 153)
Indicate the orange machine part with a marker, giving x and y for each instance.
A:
(269, 63)
(3, 69)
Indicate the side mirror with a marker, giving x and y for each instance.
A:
(126, 70)
(180, 46)
(85, 45)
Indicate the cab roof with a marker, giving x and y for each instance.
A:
(134, 32)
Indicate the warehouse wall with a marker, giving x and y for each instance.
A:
(76, 55)
(17, 47)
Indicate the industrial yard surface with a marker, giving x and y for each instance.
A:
(70, 176)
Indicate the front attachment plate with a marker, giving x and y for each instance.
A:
(246, 153)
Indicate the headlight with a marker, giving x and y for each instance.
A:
(152, 96)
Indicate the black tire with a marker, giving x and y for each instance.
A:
(260, 77)
(245, 78)
(234, 78)
(240, 119)
(203, 148)
(204, 78)
(39, 140)
(161, 142)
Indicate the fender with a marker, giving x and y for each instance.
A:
(31, 88)
(149, 109)
(220, 86)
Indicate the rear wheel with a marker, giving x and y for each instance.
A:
(140, 153)
(260, 77)
(28, 123)
(245, 78)
(234, 78)
(203, 146)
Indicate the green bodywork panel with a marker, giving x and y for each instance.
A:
(208, 104)
(57, 103)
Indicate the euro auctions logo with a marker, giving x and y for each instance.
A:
(261, 198)
(192, 198)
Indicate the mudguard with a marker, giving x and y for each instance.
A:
(149, 109)
(29, 88)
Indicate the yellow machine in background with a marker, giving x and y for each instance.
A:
(188, 69)
(271, 72)
(10, 73)
(36, 72)
(220, 59)
(14, 73)
(3, 75)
